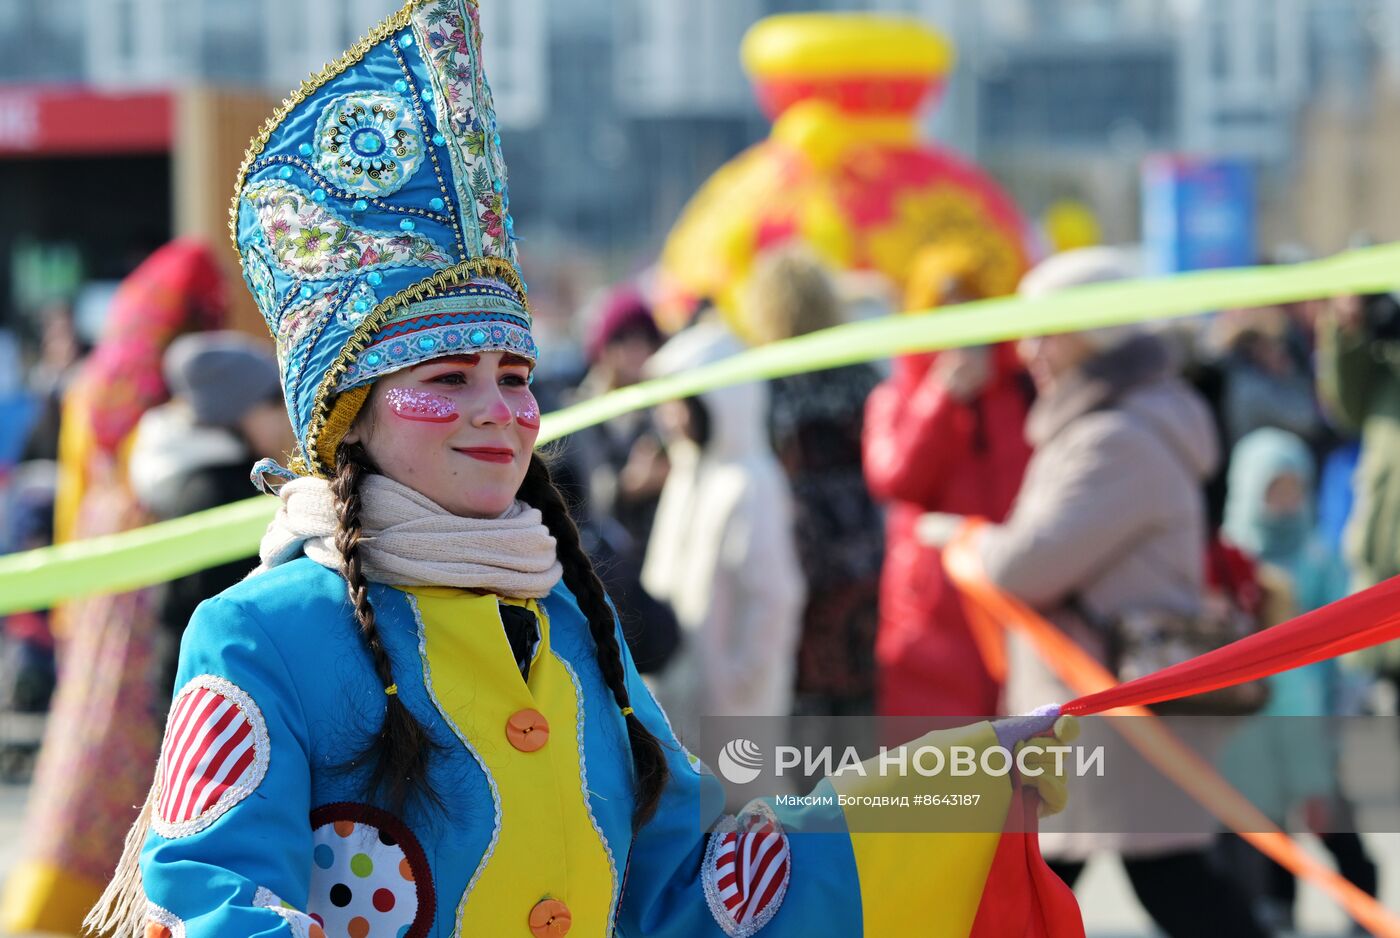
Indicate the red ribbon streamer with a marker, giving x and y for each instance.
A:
(1361, 621)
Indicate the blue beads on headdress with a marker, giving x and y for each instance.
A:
(373, 215)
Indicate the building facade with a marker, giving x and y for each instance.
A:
(618, 109)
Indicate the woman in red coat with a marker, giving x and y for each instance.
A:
(944, 434)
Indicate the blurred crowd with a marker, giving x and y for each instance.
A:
(775, 548)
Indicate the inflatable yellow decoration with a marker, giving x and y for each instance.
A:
(844, 169)
(1070, 224)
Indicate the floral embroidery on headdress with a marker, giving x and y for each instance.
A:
(373, 217)
(370, 143)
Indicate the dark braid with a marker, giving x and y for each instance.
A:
(400, 752)
(648, 760)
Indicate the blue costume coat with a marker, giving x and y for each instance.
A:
(261, 825)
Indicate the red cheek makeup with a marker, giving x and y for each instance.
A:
(529, 415)
(421, 406)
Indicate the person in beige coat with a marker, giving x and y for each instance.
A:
(1110, 519)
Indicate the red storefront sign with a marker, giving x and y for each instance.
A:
(67, 121)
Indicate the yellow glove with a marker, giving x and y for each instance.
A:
(1052, 786)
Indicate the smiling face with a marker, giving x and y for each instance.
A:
(459, 430)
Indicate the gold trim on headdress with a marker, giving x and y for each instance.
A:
(456, 276)
(331, 413)
(396, 22)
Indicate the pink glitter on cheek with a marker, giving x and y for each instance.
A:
(529, 415)
(421, 406)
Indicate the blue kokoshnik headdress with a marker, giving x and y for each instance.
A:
(372, 219)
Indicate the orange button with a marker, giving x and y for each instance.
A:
(527, 730)
(550, 919)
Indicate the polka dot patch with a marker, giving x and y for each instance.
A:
(368, 875)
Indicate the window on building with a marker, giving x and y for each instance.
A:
(1076, 97)
(682, 57)
(231, 45)
(1268, 33)
(1220, 56)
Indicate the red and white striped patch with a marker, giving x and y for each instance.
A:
(747, 865)
(214, 755)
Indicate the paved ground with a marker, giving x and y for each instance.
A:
(1371, 779)
(1111, 910)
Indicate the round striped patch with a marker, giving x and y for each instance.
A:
(747, 866)
(214, 755)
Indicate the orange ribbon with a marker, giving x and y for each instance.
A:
(993, 612)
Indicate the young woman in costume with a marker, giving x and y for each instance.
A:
(418, 717)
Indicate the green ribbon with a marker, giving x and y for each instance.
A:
(115, 563)
(41, 578)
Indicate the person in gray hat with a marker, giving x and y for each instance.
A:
(195, 453)
(229, 381)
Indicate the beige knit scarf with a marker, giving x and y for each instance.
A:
(410, 540)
